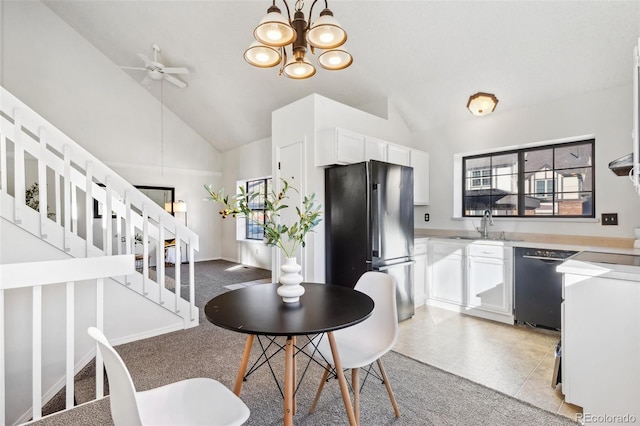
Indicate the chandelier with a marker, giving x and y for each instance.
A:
(275, 33)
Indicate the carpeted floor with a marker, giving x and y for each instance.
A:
(426, 395)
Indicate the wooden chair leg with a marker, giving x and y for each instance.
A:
(388, 386)
(322, 382)
(355, 384)
(243, 364)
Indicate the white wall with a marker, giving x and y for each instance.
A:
(201, 216)
(249, 161)
(606, 114)
(65, 79)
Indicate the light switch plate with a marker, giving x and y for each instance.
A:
(609, 218)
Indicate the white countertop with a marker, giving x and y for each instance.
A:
(536, 244)
(597, 264)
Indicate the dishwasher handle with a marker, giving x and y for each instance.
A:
(553, 259)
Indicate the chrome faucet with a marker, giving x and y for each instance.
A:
(487, 220)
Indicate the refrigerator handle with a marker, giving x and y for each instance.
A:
(375, 222)
(384, 268)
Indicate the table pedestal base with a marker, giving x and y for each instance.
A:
(290, 377)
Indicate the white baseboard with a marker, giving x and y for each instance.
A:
(146, 334)
(494, 316)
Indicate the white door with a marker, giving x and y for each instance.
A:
(290, 167)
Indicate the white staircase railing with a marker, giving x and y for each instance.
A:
(36, 275)
(49, 187)
(36, 155)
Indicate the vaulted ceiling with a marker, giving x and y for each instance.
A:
(426, 57)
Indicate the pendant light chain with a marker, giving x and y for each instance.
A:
(162, 127)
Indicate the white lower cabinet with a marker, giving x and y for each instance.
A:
(420, 271)
(447, 272)
(489, 278)
(473, 278)
(601, 341)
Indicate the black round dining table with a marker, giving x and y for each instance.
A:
(259, 310)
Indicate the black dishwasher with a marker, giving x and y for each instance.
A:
(538, 286)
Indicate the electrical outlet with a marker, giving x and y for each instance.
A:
(426, 217)
(609, 218)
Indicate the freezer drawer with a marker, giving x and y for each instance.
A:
(403, 273)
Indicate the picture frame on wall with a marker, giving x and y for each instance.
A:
(161, 195)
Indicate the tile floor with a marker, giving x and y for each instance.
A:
(517, 360)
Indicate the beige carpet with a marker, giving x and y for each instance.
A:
(170, 283)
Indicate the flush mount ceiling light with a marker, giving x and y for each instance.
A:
(275, 34)
(482, 103)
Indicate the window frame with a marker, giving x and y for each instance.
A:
(554, 196)
(249, 183)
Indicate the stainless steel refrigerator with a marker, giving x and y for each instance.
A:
(369, 226)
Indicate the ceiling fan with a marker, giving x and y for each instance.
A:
(156, 71)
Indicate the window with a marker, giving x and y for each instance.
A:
(545, 181)
(481, 178)
(253, 228)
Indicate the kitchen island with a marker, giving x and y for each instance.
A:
(601, 336)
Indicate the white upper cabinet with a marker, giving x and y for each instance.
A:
(336, 146)
(375, 149)
(419, 160)
(339, 146)
(398, 154)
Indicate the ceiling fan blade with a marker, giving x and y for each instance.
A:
(181, 84)
(133, 68)
(174, 70)
(147, 62)
(145, 80)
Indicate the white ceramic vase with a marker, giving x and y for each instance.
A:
(290, 289)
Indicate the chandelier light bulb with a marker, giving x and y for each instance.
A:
(299, 68)
(274, 30)
(336, 59)
(262, 56)
(325, 32)
(327, 37)
(274, 34)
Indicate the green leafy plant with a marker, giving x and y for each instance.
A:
(288, 237)
(32, 199)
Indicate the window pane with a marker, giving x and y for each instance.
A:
(573, 156)
(505, 164)
(258, 187)
(254, 229)
(539, 159)
(478, 163)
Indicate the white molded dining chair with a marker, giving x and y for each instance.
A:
(362, 344)
(198, 401)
